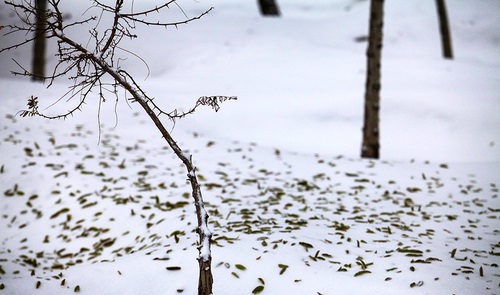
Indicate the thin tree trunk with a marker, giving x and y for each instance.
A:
(39, 46)
(445, 30)
(269, 8)
(371, 132)
(205, 281)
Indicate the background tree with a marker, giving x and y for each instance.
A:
(444, 29)
(40, 43)
(94, 68)
(371, 131)
(269, 8)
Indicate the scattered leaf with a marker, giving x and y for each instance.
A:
(362, 272)
(240, 266)
(283, 268)
(258, 290)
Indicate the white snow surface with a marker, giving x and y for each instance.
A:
(97, 203)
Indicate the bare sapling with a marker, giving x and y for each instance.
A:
(95, 71)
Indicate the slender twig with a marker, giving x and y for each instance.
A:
(145, 12)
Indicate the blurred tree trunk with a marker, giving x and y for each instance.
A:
(445, 30)
(370, 146)
(269, 8)
(39, 46)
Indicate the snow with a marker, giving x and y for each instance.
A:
(292, 206)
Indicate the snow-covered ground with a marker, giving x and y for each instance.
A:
(293, 208)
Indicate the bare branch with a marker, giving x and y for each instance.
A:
(145, 12)
(160, 24)
(119, 4)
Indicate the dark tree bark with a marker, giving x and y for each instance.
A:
(445, 30)
(371, 132)
(40, 43)
(269, 8)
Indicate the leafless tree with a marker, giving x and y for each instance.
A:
(95, 68)
(371, 131)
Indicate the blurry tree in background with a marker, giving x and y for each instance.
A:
(445, 30)
(371, 132)
(95, 69)
(40, 43)
(269, 8)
